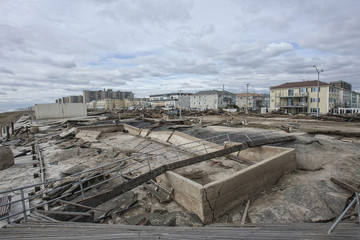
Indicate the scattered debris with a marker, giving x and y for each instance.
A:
(6, 158)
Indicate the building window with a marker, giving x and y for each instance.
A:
(314, 89)
(302, 90)
(290, 92)
(313, 110)
(314, 99)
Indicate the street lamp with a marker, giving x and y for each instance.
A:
(318, 90)
(180, 104)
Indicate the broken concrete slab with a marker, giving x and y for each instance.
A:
(144, 133)
(67, 133)
(88, 135)
(74, 169)
(115, 205)
(314, 202)
(6, 158)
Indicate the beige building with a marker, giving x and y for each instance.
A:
(115, 104)
(303, 97)
(252, 100)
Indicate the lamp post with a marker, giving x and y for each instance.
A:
(180, 104)
(318, 90)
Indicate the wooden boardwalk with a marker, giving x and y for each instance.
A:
(66, 230)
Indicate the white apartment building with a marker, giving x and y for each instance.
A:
(212, 99)
(170, 100)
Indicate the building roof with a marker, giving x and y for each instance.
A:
(248, 94)
(169, 94)
(213, 92)
(312, 83)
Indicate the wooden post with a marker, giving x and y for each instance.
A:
(7, 133)
(12, 128)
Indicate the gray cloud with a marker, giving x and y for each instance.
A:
(50, 49)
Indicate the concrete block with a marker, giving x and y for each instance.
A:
(68, 132)
(132, 130)
(160, 136)
(6, 158)
(88, 135)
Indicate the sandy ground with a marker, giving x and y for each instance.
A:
(306, 195)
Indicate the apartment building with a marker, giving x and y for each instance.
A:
(70, 99)
(116, 104)
(170, 100)
(252, 100)
(304, 96)
(212, 99)
(106, 94)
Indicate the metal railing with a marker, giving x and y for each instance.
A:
(114, 170)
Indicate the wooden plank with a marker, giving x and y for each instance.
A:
(345, 186)
(5, 209)
(80, 205)
(48, 212)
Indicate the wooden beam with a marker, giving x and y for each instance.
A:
(345, 186)
(48, 212)
(79, 205)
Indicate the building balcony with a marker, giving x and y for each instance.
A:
(296, 95)
(300, 105)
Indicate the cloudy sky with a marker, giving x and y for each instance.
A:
(55, 48)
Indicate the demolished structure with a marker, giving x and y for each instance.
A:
(115, 172)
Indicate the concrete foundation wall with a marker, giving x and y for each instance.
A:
(218, 197)
(60, 110)
(160, 136)
(132, 130)
(259, 153)
(103, 128)
(225, 194)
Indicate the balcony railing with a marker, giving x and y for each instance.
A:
(296, 95)
(297, 105)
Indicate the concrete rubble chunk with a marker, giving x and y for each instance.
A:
(88, 135)
(74, 169)
(68, 132)
(6, 158)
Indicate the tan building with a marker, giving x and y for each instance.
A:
(252, 100)
(115, 104)
(302, 97)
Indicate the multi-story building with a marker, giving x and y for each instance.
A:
(116, 104)
(304, 96)
(212, 99)
(170, 100)
(342, 84)
(106, 94)
(252, 100)
(70, 99)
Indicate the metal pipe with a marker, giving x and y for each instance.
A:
(342, 215)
